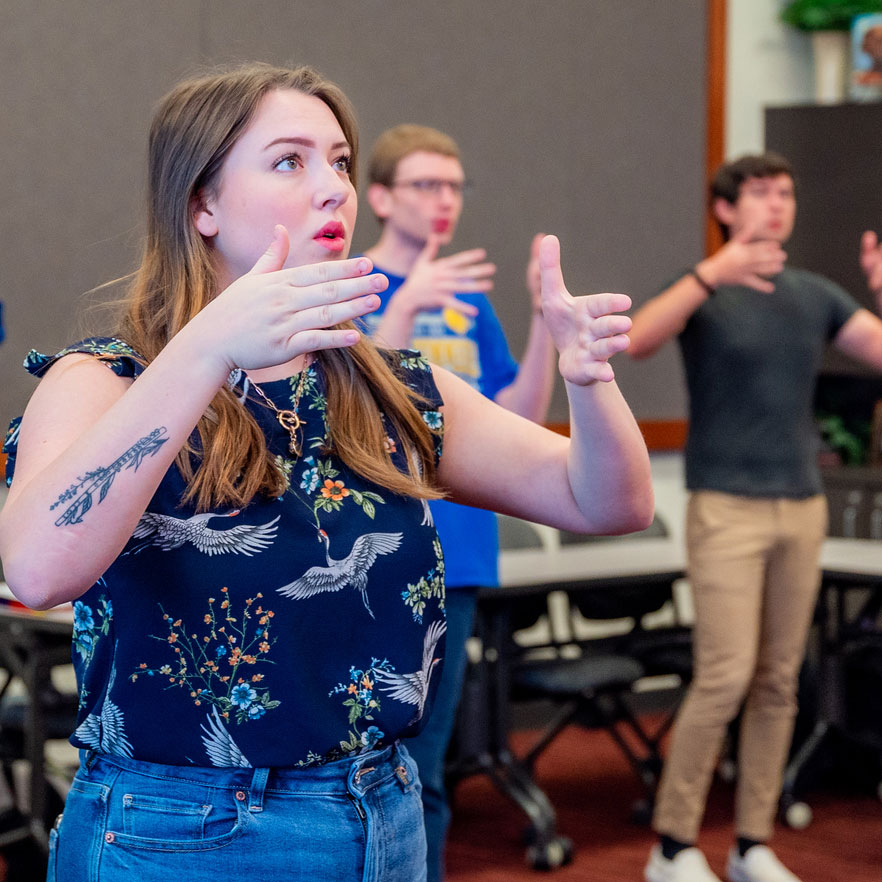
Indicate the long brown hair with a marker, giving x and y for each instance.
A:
(193, 130)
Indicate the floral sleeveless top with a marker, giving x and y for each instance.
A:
(293, 632)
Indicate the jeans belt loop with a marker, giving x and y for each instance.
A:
(258, 786)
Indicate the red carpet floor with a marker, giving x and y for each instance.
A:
(592, 789)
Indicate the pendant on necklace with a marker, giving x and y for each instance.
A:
(291, 423)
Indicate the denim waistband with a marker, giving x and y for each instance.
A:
(356, 774)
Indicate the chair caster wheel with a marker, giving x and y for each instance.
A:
(797, 815)
(553, 854)
(727, 770)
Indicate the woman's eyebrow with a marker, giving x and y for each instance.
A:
(304, 142)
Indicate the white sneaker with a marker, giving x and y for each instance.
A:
(688, 865)
(758, 865)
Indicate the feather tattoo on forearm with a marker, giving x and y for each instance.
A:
(100, 480)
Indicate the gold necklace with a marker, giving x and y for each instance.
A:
(288, 419)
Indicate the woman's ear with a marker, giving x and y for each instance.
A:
(379, 198)
(203, 219)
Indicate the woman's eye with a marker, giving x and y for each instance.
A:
(344, 164)
(288, 163)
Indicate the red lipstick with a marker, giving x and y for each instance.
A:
(331, 236)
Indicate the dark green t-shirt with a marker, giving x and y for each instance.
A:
(751, 362)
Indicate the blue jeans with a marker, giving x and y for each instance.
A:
(356, 819)
(429, 748)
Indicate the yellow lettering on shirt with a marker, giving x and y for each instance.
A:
(457, 354)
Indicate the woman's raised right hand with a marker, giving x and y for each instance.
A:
(271, 315)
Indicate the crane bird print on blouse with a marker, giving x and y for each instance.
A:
(169, 532)
(219, 744)
(414, 688)
(106, 731)
(351, 570)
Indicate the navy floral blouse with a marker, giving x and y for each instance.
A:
(293, 632)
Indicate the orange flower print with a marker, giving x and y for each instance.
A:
(335, 490)
(201, 658)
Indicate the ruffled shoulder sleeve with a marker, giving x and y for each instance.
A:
(117, 355)
(416, 372)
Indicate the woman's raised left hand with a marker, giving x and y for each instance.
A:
(586, 330)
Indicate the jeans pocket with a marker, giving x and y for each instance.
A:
(200, 819)
(152, 817)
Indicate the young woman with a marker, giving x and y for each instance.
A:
(232, 490)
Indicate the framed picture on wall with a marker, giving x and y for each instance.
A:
(866, 58)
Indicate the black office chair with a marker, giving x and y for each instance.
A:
(591, 680)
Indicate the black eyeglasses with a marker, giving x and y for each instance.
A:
(434, 186)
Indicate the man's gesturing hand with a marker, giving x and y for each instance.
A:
(744, 260)
(434, 281)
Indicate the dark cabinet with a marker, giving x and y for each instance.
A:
(838, 164)
(835, 153)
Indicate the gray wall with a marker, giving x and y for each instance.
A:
(584, 118)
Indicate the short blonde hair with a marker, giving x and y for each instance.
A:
(396, 143)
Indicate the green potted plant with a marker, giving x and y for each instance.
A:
(826, 15)
(828, 22)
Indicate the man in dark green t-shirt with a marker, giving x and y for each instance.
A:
(752, 333)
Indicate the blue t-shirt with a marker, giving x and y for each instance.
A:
(294, 631)
(476, 350)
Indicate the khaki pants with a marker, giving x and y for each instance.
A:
(754, 574)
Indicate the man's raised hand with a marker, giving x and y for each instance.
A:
(871, 261)
(434, 281)
(745, 260)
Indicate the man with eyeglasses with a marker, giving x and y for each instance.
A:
(438, 305)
